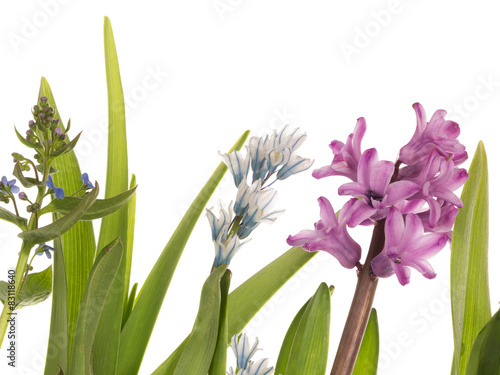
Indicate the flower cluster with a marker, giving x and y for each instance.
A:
(413, 198)
(243, 352)
(268, 156)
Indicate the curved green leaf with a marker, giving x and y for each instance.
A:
(24, 141)
(218, 365)
(62, 225)
(130, 304)
(77, 244)
(199, 350)
(97, 291)
(284, 355)
(6, 215)
(309, 351)
(67, 147)
(484, 357)
(367, 361)
(100, 208)
(27, 182)
(114, 225)
(136, 333)
(470, 298)
(36, 289)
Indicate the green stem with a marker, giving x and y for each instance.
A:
(359, 313)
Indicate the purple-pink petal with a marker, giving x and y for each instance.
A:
(380, 176)
(401, 190)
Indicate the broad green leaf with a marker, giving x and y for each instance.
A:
(100, 208)
(6, 215)
(470, 298)
(367, 361)
(36, 289)
(136, 333)
(69, 146)
(62, 225)
(78, 244)
(199, 350)
(218, 365)
(27, 182)
(484, 357)
(58, 348)
(309, 351)
(97, 291)
(246, 300)
(114, 225)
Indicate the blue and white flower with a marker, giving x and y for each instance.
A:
(295, 164)
(218, 223)
(242, 349)
(238, 165)
(258, 368)
(245, 195)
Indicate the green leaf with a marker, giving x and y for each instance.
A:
(199, 350)
(309, 351)
(100, 208)
(470, 299)
(67, 147)
(24, 141)
(62, 225)
(6, 215)
(52, 170)
(78, 244)
(36, 289)
(246, 300)
(219, 360)
(484, 357)
(97, 291)
(27, 182)
(130, 239)
(58, 348)
(136, 333)
(367, 361)
(116, 224)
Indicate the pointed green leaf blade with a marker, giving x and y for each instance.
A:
(78, 244)
(367, 361)
(137, 331)
(36, 289)
(58, 348)
(62, 225)
(218, 365)
(97, 290)
(309, 352)
(27, 182)
(470, 299)
(114, 225)
(100, 208)
(199, 350)
(130, 239)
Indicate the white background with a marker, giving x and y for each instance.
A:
(196, 77)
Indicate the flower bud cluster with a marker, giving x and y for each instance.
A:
(413, 198)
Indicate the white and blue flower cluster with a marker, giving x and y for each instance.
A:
(243, 352)
(268, 156)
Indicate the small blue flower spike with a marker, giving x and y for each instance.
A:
(86, 181)
(44, 249)
(58, 192)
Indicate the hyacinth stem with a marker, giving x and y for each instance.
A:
(359, 313)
